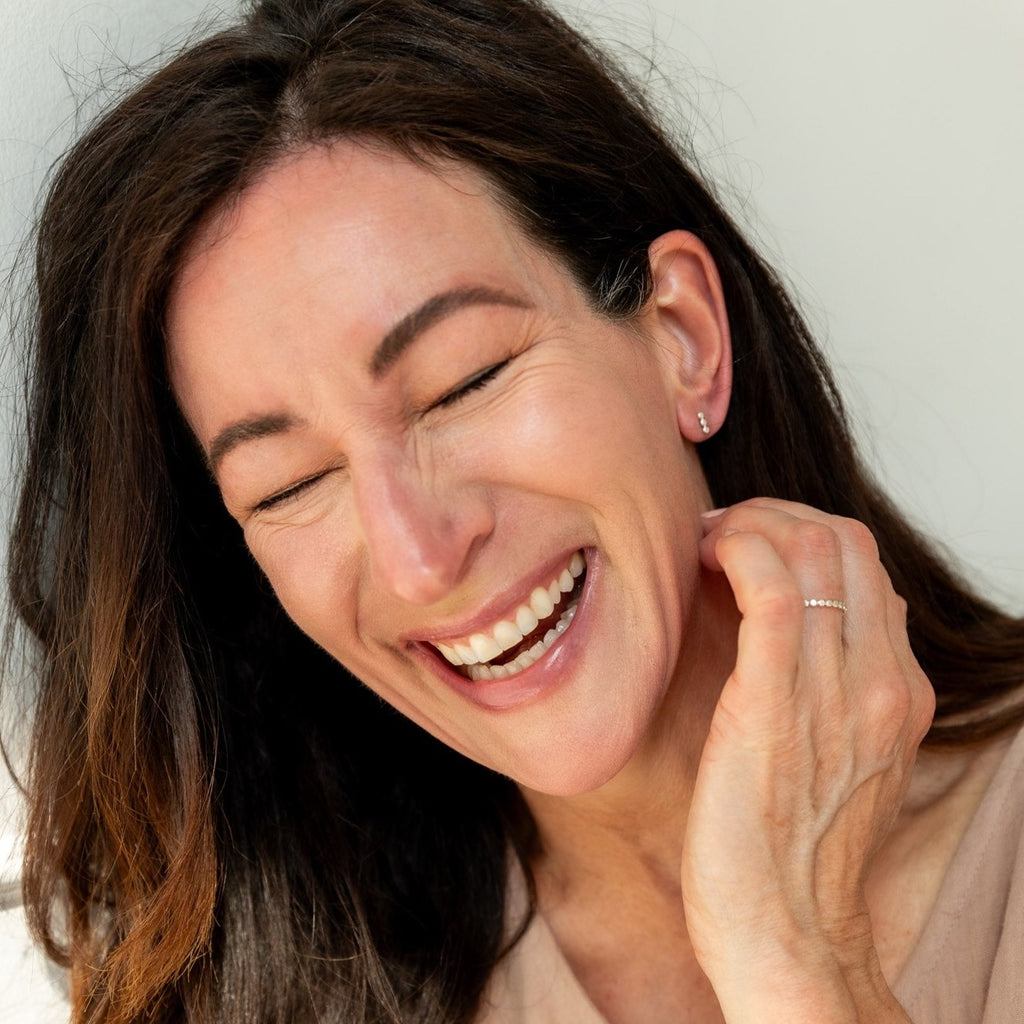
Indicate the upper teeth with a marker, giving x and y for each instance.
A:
(504, 635)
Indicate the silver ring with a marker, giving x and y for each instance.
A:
(820, 602)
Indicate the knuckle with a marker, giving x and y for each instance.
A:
(887, 715)
(815, 540)
(739, 517)
(857, 537)
(761, 502)
(892, 700)
(900, 703)
(779, 602)
(925, 710)
(729, 544)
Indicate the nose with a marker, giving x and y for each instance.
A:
(421, 528)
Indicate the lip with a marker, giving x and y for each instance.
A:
(501, 607)
(544, 675)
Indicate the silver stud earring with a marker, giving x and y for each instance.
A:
(703, 420)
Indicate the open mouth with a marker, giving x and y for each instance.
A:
(515, 643)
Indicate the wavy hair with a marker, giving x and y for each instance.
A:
(225, 826)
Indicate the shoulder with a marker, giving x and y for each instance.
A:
(966, 964)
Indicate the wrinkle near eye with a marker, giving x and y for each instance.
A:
(476, 382)
(255, 491)
(282, 497)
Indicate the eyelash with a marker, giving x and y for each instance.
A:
(474, 383)
(288, 492)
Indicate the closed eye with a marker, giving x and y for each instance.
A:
(289, 492)
(473, 383)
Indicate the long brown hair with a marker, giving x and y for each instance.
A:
(224, 825)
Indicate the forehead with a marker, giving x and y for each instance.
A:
(350, 208)
(319, 258)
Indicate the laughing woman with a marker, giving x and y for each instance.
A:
(457, 596)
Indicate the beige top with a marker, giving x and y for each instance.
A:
(967, 968)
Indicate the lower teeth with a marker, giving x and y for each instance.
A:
(527, 658)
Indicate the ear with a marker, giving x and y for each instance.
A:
(689, 317)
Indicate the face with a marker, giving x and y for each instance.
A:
(460, 481)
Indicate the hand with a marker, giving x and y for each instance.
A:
(806, 763)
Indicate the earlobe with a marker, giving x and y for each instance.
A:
(688, 310)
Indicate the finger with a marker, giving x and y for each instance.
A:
(894, 691)
(859, 549)
(769, 599)
(865, 582)
(812, 554)
(867, 587)
(804, 537)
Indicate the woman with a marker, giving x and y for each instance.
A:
(346, 364)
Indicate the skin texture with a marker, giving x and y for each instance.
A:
(393, 507)
(422, 515)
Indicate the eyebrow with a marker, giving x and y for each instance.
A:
(248, 430)
(435, 309)
(387, 353)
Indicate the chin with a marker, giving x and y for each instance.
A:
(574, 765)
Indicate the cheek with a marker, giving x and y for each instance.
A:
(580, 434)
(312, 573)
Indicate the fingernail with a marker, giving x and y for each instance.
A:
(713, 513)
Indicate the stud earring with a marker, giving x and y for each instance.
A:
(703, 420)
